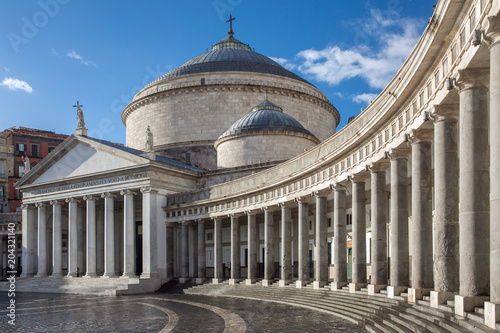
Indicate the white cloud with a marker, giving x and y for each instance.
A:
(285, 63)
(394, 39)
(364, 98)
(54, 52)
(76, 56)
(16, 84)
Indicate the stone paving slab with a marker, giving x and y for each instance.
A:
(162, 312)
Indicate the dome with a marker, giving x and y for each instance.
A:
(230, 55)
(266, 117)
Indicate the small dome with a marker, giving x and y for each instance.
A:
(266, 117)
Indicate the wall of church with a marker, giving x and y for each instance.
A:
(254, 149)
(180, 112)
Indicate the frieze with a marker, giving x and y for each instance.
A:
(90, 183)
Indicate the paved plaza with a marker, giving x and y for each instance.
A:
(162, 312)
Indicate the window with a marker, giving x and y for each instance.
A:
(34, 150)
(310, 225)
(422, 99)
(436, 79)
(454, 53)
(21, 148)
(210, 236)
(462, 38)
(19, 194)
(1, 194)
(2, 169)
(473, 20)
(329, 222)
(429, 89)
(51, 149)
(445, 67)
(414, 110)
(349, 219)
(20, 170)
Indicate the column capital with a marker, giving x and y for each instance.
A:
(338, 186)
(90, 197)
(202, 221)
(444, 111)
(171, 224)
(127, 192)
(360, 177)
(24, 206)
(379, 166)
(108, 195)
(148, 189)
(286, 204)
(72, 200)
(268, 209)
(252, 212)
(492, 28)
(321, 193)
(398, 153)
(470, 78)
(235, 215)
(56, 202)
(39, 204)
(302, 200)
(421, 135)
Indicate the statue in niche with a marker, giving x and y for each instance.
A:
(149, 139)
(27, 165)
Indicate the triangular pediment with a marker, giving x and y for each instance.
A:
(78, 157)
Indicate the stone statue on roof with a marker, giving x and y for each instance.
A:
(149, 139)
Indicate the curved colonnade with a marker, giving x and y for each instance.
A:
(422, 161)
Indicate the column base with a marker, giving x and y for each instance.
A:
(129, 276)
(393, 291)
(301, 284)
(107, 276)
(465, 304)
(491, 314)
(41, 275)
(23, 275)
(217, 280)
(318, 284)
(149, 275)
(440, 297)
(200, 280)
(233, 281)
(184, 280)
(57, 275)
(416, 294)
(353, 287)
(267, 283)
(283, 283)
(249, 282)
(71, 275)
(375, 288)
(336, 286)
(90, 275)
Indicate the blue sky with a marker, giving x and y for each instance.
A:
(55, 52)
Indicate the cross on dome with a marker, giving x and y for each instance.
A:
(231, 19)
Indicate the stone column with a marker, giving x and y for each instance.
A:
(268, 247)
(446, 228)
(303, 240)
(28, 241)
(358, 233)
(82, 232)
(109, 235)
(72, 236)
(99, 223)
(218, 273)
(422, 253)
(492, 308)
(286, 245)
(91, 270)
(170, 249)
(474, 191)
(128, 234)
(253, 247)
(340, 238)
(1, 256)
(149, 234)
(379, 229)
(235, 249)
(184, 254)
(321, 263)
(202, 261)
(400, 249)
(56, 238)
(193, 253)
(42, 240)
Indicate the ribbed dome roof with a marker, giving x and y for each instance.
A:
(266, 117)
(230, 55)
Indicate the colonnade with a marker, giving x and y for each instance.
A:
(85, 240)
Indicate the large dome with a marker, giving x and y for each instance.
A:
(229, 55)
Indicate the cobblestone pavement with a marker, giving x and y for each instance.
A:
(161, 312)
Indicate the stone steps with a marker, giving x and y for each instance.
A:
(375, 313)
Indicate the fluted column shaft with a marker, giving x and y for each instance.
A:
(303, 247)
(56, 239)
(379, 228)
(358, 232)
(340, 242)
(400, 274)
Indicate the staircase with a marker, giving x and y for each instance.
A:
(375, 313)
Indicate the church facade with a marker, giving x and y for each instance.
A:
(243, 176)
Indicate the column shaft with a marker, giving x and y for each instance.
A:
(218, 273)
(253, 247)
(184, 252)
(235, 248)
(422, 256)
(56, 239)
(170, 251)
(192, 251)
(149, 233)
(379, 228)
(128, 234)
(321, 264)
(340, 241)
(202, 262)
(91, 270)
(303, 240)
(286, 244)
(28, 241)
(72, 237)
(474, 192)
(358, 232)
(400, 267)
(109, 235)
(268, 245)
(82, 232)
